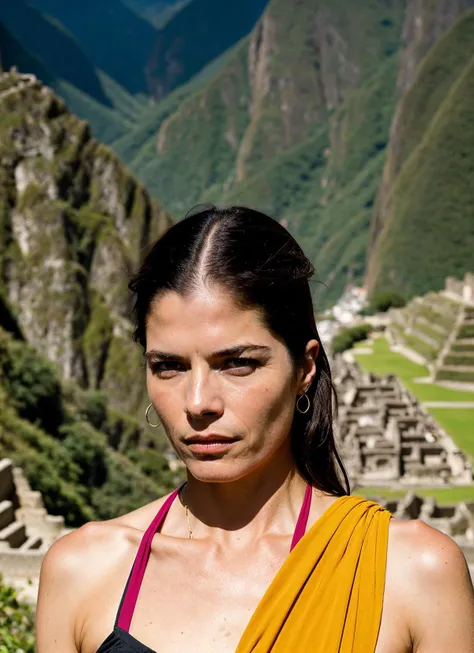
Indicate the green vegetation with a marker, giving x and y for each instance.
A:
(466, 331)
(346, 338)
(461, 347)
(49, 43)
(17, 624)
(455, 375)
(179, 54)
(31, 382)
(442, 495)
(95, 219)
(45, 48)
(434, 182)
(111, 37)
(384, 361)
(53, 433)
(106, 123)
(317, 164)
(382, 302)
(460, 423)
(459, 359)
(457, 422)
(425, 324)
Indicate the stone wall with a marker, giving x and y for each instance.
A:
(387, 438)
(463, 289)
(26, 531)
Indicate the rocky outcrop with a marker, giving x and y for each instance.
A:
(73, 223)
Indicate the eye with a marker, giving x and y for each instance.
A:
(241, 366)
(165, 369)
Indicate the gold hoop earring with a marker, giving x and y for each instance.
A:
(153, 426)
(307, 407)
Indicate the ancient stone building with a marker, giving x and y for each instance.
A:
(438, 329)
(387, 438)
(26, 531)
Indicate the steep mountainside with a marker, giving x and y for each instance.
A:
(199, 33)
(276, 88)
(73, 222)
(112, 36)
(425, 23)
(45, 40)
(107, 121)
(426, 195)
(38, 44)
(288, 124)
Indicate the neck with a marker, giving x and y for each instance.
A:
(260, 502)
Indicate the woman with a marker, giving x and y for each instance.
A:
(238, 378)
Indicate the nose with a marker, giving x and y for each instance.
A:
(203, 397)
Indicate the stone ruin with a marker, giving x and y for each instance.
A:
(26, 531)
(462, 289)
(387, 438)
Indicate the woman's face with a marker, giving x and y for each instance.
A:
(222, 385)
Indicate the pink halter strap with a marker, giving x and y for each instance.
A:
(130, 596)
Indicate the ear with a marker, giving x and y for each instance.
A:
(308, 371)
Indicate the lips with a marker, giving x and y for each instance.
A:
(211, 443)
(209, 439)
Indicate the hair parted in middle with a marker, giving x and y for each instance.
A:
(262, 267)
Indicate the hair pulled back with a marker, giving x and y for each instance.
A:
(263, 267)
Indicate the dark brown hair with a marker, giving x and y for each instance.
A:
(262, 265)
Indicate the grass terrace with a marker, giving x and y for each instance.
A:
(442, 495)
(458, 422)
(384, 361)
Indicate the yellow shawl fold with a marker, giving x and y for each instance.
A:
(327, 597)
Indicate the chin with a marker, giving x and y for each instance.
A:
(216, 471)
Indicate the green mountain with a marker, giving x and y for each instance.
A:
(73, 222)
(38, 44)
(326, 115)
(195, 36)
(112, 36)
(312, 118)
(53, 46)
(423, 229)
(295, 122)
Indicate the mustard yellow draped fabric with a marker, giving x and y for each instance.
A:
(327, 596)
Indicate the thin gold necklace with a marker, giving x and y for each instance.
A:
(186, 510)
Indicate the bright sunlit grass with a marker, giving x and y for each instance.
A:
(458, 422)
(384, 361)
(442, 495)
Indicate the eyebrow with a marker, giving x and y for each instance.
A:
(230, 351)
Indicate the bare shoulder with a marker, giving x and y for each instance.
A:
(426, 551)
(94, 541)
(75, 568)
(432, 578)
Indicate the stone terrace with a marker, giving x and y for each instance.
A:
(26, 531)
(387, 438)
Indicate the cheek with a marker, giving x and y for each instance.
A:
(167, 400)
(267, 410)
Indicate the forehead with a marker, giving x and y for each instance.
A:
(208, 318)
